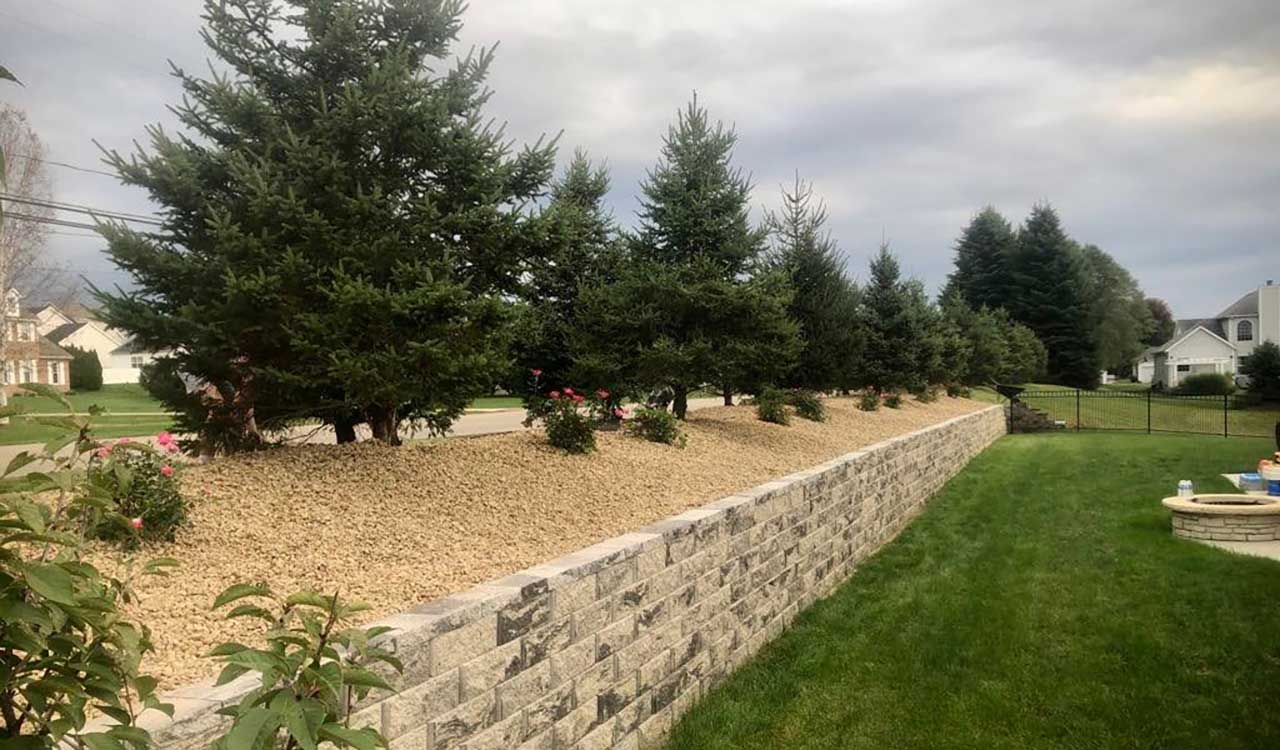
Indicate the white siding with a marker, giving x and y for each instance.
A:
(1269, 314)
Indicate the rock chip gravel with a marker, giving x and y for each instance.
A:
(396, 527)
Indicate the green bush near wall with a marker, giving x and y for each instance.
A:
(86, 369)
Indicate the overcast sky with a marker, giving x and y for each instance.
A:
(1153, 127)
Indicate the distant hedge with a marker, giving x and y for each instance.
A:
(1206, 384)
(86, 369)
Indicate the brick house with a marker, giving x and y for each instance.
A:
(28, 356)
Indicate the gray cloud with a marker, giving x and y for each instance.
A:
(1153, 126)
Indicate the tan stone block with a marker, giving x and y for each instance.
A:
(410, 709)
(461, 645)
(487, 670)
(523, 689)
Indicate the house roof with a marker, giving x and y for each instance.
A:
(1187, 325)
(1243, 307)
(63, 331)
(50, 350)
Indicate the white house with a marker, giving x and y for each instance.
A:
(1215, 344)
(121, 360)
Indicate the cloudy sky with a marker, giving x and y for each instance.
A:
(1153, 126)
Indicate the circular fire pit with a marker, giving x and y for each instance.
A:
(1226, 518)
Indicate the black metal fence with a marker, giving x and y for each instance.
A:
(1143, 411)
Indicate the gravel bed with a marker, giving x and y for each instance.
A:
(397, 527)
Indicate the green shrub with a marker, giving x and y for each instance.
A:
(144, 490)
(1206, 384)
(956, 390)
(893, 400)
(656, 426)
(1262, 367)
(771, 406)
(68, 652)
(569, 423)
(869, 401)
(808, 405)
(86, 369)
(926, 395)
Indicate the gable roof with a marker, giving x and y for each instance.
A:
(50, 350)
(1244, 307)
(63, 331)
(1188, 326)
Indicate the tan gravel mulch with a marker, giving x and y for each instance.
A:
(395, 527)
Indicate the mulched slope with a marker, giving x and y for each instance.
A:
(397, 527)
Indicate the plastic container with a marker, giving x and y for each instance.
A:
(1272, 475)
(1186, 488)
(1252, 482)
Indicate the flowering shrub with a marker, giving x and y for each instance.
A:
(869, 401)
(893, 400)
(771, 406)
(808, 405)
(64, 646)
(143, 486)
(313, 671)
(656, 426)
(567, 418)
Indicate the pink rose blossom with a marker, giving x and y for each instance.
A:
(554, 394)
(123, 441)
(103, 452)
(618, 412)
(136, 523)
(164, 438)
(536, 372)
(602, 394)
(577, 399)
(171, 448)
(166, 470)
(568, 391)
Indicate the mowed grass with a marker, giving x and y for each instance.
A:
(119, 398)
(1039, 602)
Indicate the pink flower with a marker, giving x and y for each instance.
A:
(536, 372)
(123, 441)
(136, 523)
(602, 394)
(171, 448)
(166, 470)
(618, 412)
(554, 394)
(103, 452)
(568, 391)
(576, 398)
(164, 438)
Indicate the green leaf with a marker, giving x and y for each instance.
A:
(240, 591)
(51, 582)
(360, 677)
(310, 599)
(295, 721)
(251, 610)
(16, 610)
(19, 461)
(100, 741)
(227, 649)
(31, 515)
(361, 739)
(249, 726)
(49, 392)
(7, 76)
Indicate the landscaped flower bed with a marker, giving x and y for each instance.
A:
(397, 527)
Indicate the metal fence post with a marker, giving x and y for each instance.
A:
(1077, 410)
(1226, 429)
(1148, 411)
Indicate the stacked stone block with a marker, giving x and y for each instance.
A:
(608, 646)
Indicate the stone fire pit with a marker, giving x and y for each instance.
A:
(1226, 518)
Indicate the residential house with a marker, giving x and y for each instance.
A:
(1215, 344)
(29, 357)
(74, 325)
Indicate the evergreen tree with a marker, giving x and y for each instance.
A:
(341, 222)
(824, 301)
(983, 252)
(1049, 298)
(1027, 360)
(890, 317)
(1121, 318)
(694, 304)
(1163, 324)
(579, 247)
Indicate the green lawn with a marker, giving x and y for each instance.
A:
(21, 430)
(1040, 602)
(125, 397)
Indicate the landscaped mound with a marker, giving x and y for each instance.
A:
(397, 527)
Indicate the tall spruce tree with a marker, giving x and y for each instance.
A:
(983, 252)
(824, 301)
(579, 247)
(892, 358)
(340, 222)
(694, 304)
(1048, 296)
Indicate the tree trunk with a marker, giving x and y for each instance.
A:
(680, 401)
(385, 425)
(728, 396)
(345, 429)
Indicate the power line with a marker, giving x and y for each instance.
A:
(47, 220)
(82, 209)
(62, 164)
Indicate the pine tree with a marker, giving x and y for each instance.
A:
(693, 303)
(341, 222)
(892, 358)
(983, 252)
(824, 300)
(1049, 298)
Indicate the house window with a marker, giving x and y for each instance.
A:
(24, 332)
(1184, 368)
(136, 361)
(1244, 330)
(55, 372)
(28, 372)
(8, 372)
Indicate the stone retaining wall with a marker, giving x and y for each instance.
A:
(606, 647)
(1227, 528)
